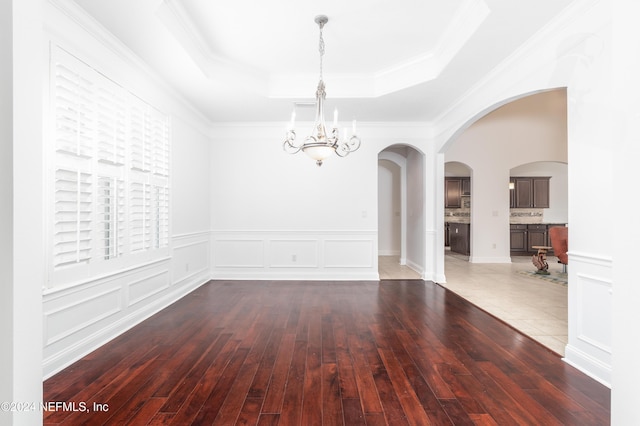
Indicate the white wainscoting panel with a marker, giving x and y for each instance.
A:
(594, 295)
(344, 253)
(190, 257)
(291, 255)
(81, 317)
(148, 286)
(238, 253)
(590, 315)
(65, 317)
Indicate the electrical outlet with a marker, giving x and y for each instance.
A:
(294, 258)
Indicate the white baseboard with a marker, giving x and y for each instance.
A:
(261, 275)
(587, 364)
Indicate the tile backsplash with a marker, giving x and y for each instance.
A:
(526, 215)
(457, 215)
(463, 215)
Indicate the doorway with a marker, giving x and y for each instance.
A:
(457, 209)
(400, 213)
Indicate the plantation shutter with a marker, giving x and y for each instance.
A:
(111, 122)
(140, 142)
(159, 142)
(149, 191)
(109, 174)
(72, 217)
(140, 216)
(111, 211)
(74, 134)
(160, 219)
(74, 111)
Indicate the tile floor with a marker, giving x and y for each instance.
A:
(536, 307)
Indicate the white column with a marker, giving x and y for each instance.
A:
(435, 170)
(6, 210)
(625, 144)
(21, 72)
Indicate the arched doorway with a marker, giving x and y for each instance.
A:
(401, 216)
(457, 209)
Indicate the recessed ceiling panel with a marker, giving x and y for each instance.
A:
(361, 36)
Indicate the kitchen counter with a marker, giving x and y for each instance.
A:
(457, 216)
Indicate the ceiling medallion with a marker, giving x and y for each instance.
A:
(320, 145)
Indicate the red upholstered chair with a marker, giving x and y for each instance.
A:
(559, 236)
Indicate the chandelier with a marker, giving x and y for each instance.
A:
(320, 144)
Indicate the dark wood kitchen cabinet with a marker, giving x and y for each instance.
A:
(459, 238)
(525, 236)
(518, 239)
(537, 235)
(452, 193)
(530, 192)
(455, 188)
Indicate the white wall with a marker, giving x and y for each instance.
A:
(279, 216)
(389, 208)
(191, 173)
(80, 316)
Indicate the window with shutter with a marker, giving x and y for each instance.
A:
(110, 174)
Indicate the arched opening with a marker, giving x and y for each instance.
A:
(457, 209)
(401, 215)
(523, 137)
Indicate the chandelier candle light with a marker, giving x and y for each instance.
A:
(320, 145)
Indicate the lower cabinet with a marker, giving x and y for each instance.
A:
(537, 235)
(525, 236)
(459, 238)
(519, 242)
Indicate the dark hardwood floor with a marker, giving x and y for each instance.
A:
(325, 353)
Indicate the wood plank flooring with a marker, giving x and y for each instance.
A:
(324, 353)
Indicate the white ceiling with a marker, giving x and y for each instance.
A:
(250, 60)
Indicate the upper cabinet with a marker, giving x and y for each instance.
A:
(455, 189)
(530, 192)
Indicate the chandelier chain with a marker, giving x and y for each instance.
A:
(321, 48)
